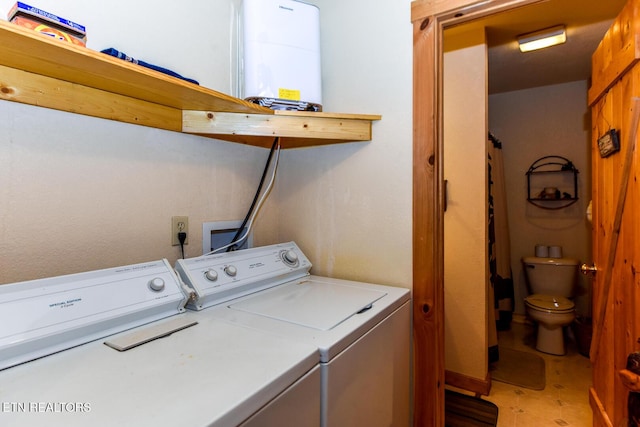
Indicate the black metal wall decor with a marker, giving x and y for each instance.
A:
(546, 178)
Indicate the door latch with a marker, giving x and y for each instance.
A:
(588, 270)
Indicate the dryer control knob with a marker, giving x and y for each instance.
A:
(156, 284)
(290, 257)
(231, 270)
(211, 275)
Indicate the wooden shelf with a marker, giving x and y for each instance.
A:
(40, 71)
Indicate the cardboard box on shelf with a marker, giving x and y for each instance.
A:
(47, 23)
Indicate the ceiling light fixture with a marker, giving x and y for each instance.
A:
(543, 38)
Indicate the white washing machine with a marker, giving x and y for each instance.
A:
(361, 331)
(161, 365)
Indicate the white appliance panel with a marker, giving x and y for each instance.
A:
(317, 304)
(303, 396)
(43, 316)
(253, 269)
(329, 342)
(368, 384)
(211, 374)
(299, 22)
(272, 68)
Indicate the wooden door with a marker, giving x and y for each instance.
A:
(429, 18)
(614, 98)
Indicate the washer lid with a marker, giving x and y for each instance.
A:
(318, 305)
(549, 302)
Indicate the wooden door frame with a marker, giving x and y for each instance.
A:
(429, 19)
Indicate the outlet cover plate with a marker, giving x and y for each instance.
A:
(178, 224)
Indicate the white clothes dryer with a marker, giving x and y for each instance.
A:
(361, 331)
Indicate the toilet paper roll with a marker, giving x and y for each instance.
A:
(555, 251)
(542, 251)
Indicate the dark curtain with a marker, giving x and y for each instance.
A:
(501, 279)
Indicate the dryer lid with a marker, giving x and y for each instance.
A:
(311, 303)
(550, 302)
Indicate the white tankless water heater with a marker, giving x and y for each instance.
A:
(281, 54)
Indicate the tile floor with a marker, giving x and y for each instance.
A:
(565, 398)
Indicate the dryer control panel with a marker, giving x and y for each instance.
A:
(222, 277)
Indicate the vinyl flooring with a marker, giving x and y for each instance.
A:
(565, 398)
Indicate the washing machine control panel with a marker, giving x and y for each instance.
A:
(44, 316)
(218, 278)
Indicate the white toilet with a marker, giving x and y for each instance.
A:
(551, 282)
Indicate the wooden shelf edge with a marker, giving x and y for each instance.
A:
(344, 116)
(307, 128)
(40, 91)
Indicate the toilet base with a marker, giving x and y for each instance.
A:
(550, 341)
(550, 328)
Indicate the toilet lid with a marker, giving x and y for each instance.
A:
(549, 303)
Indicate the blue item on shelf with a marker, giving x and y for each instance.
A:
(113, 52)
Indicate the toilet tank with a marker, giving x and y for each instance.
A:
(551, 276)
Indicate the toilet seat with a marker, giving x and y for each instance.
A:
(549, 303)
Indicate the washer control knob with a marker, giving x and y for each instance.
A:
(211, 275)
(156, 284)
(231, 270)
(290, 257)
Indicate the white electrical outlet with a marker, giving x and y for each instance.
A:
(179, 224)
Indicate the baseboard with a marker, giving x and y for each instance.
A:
(467, 383)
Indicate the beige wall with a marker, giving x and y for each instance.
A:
(79, 193)
(533, 123)
(349, 206)
(465, 221)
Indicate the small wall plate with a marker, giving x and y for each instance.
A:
(219, 233)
